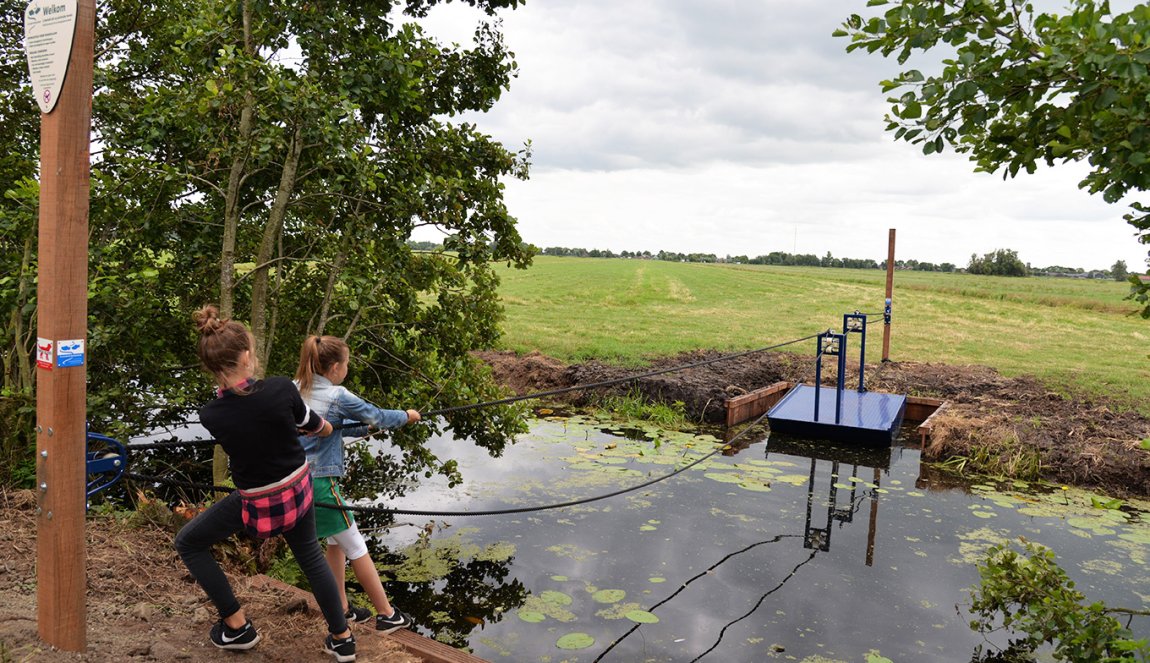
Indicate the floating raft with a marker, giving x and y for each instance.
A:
(867, 418)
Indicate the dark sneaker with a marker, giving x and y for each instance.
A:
(343, 649)
(357, 614)
(225, 637)
(396, 621)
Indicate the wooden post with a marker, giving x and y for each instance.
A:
(889, 292)
(62, 316)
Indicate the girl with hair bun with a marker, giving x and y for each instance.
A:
(323, 362)
(258, 422)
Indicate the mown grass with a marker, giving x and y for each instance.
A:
(1076, 335)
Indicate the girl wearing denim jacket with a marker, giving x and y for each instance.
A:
(322, 369)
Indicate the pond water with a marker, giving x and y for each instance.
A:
(782, 550)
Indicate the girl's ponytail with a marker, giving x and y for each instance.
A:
(316, 357)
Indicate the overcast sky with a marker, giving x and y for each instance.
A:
(741, 128)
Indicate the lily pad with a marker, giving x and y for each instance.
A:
(756, 487)
(642, 617)
(531, 616)
(609, 595)
(722, 477)
(575, 641)
(1136, 537)
(558, 598)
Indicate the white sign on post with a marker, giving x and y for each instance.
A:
(48, 29)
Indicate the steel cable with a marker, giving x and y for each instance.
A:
(495, 512)
(514, 399)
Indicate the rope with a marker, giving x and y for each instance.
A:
(514, 399)
(553, 392)
(496, 512)
(169, 444)
(604, 383)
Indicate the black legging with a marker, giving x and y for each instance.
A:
(223, 519)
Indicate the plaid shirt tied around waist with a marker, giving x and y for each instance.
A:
(272, 510)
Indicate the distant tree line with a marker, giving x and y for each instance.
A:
(1000, 262)
(773, 258)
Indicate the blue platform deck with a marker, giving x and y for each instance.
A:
(868, 418)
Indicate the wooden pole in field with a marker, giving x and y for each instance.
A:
(62, 29)
(889, 292)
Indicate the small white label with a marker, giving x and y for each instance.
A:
(49, 26)
(70, 353)
(44, 353)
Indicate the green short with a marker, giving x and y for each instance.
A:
(329, 522)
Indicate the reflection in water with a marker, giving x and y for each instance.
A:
(744, 545)
(816, 539)
(814, 536)
(709, 570)
(472, 594)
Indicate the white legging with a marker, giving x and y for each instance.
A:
(350, 541)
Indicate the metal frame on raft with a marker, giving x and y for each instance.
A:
(860, 416)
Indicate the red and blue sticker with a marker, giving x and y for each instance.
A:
(61, 354)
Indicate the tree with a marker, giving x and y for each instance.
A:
(1000, 262)
(19, 209)
(1118, 271)
(1019, 87)
(275, 157)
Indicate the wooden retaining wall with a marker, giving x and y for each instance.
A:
(750, 405)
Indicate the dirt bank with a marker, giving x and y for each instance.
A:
(143, 606)
(1010, 426)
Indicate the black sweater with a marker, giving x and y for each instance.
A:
(259, 430)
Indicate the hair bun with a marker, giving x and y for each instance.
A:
(208, 320)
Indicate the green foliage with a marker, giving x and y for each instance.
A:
(1029, 594)
(1000, 262)
(307, 141)
(1019, 87)
(1140, 293)
(19, 193)
(1118, 271)
(1105, 503)
(634, 406)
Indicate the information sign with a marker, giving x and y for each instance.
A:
(48, 29)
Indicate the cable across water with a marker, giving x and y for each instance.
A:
(524, 397)
(502, 401)
(493, 512)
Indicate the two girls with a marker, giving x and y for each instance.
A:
(258, 422)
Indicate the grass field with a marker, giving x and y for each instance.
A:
(1078, 336)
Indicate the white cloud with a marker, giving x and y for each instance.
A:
(736, 128)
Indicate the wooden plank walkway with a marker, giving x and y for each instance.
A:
(430, 651)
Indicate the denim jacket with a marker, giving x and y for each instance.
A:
(339, 406)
